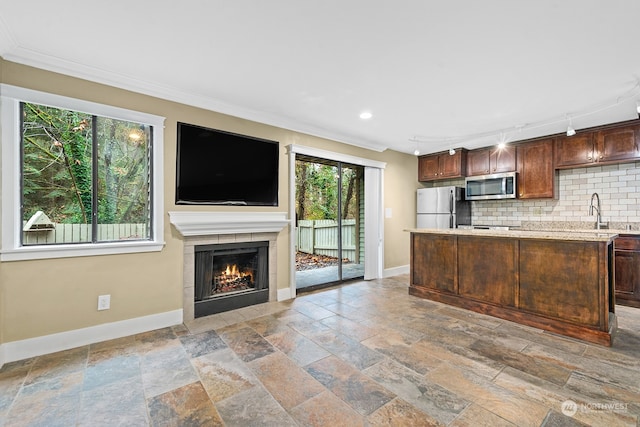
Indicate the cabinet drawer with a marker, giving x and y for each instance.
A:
(628, 243)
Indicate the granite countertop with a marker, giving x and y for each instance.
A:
(582, 235)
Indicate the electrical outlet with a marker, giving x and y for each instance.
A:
(104, 302)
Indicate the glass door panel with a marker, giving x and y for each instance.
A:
(352, 233)
(328, 222)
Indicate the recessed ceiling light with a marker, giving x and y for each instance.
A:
(365, 115)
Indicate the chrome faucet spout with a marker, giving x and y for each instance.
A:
(597, 208)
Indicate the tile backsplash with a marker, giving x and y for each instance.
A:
(617, 185)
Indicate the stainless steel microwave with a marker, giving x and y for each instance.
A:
(494, 186)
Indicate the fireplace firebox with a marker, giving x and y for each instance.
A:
(230, 276)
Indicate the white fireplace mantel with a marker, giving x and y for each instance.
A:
(213, 223)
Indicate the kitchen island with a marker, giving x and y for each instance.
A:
(562, 282)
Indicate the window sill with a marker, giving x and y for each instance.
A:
(77, 250)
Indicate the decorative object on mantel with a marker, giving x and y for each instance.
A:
(212, 223)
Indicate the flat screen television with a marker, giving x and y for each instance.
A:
(215, 167)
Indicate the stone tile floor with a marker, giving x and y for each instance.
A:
(364, 353)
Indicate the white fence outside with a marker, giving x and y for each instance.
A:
(321, 237)
(79, 233)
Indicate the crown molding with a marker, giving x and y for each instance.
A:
(14, 53)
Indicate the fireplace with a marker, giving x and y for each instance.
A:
(213, 228)
(230, 276)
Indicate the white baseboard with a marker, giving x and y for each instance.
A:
(388, 272)
(18, 350)
(284, 294)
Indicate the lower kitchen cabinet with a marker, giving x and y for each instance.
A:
(627, 258)
(429, 251)
(561, 283)
(492, 282)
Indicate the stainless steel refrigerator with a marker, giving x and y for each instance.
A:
(442, 207)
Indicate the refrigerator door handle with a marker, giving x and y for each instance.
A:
(451, 201)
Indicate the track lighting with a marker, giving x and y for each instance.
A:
(452, 151)
(417, 152)
(570, 130)
(638, 106)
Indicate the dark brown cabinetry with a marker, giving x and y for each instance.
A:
(442, 165)
(627, 257)
(491, 160)
(604, 146)
(563, 286)
(493, 282)
(536, 176)
(429, 251)
(562, 279)
(573, 151)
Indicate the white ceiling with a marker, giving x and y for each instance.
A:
(448, 73)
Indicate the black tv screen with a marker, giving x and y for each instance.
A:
(215, 167)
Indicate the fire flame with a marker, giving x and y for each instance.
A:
(232, 272)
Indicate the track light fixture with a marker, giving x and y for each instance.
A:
(570, 130)
(638, 106)
(452, 151)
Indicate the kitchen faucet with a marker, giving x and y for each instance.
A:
(597, 208)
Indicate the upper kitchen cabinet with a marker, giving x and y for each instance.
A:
(620, 144)
(491, 160)
(536, 174)
(573, 151)
(442, 165)
(604, 146)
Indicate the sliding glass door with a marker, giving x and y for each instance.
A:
(329, 222)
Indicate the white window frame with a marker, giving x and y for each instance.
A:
(11, 248)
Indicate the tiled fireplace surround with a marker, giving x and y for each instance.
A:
(207, 228)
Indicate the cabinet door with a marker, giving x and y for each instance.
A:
(478, 162)
(535, 170)
(434, 261)
(572, 151)
(503, 159)
(561, 279)
(428, 168)
(627, 273)
(618, 144)
(451, 165)
(493, 282)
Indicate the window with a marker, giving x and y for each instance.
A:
(78, 178)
